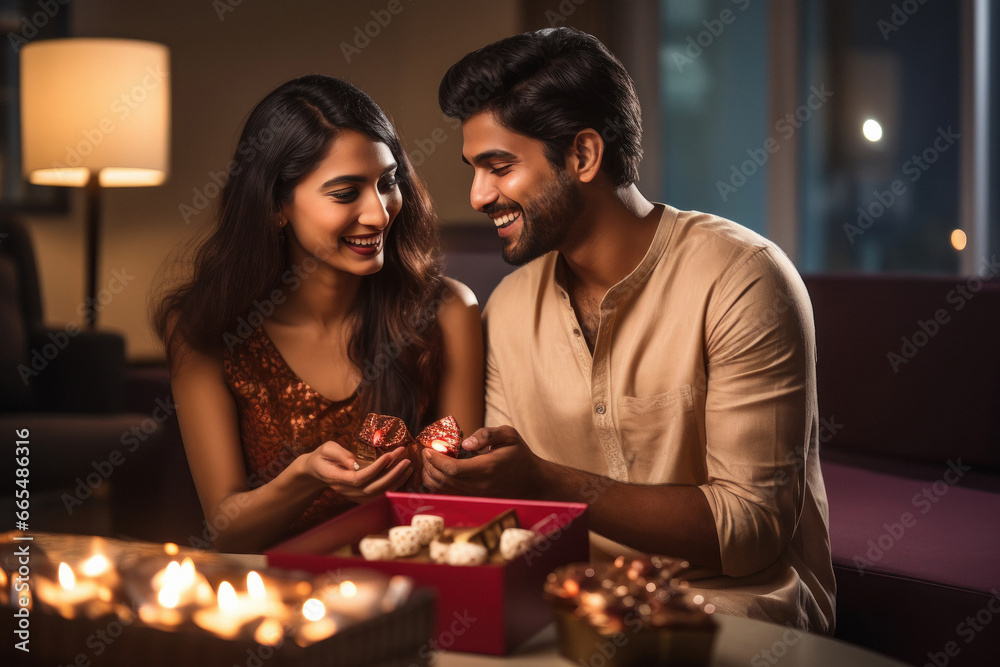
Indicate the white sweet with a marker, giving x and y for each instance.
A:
(376, 548)
(466, 553)
(515, 541)
(405, 540)
(428, 525)
(439, 551)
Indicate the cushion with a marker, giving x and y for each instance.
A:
(909, 367)
(914, 559)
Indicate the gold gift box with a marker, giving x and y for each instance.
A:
(630, 613)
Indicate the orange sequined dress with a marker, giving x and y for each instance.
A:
(282, 417)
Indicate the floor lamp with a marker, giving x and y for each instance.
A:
(95, 113)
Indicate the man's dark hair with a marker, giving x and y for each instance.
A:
(549, 85)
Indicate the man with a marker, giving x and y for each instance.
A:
(656, 364)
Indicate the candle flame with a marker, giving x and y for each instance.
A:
(227, 597)
(440, 445)
(313, 609)
(169, 596)
(186, 572)
(170, 593)
(348, 589)
(66, 578)
(255, 586)
(95, 566)
(173, 572)
(171, 549)
(3, 578)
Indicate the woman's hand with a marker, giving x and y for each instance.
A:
(333, 465)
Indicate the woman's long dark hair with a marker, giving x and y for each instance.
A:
(396, 342)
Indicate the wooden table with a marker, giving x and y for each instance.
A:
(740, 641)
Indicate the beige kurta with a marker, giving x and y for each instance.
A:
(703, 373)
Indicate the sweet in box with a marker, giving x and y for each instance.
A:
(490, 608)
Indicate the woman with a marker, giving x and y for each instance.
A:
(316, 299)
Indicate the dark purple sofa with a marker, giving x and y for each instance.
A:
(909, 384)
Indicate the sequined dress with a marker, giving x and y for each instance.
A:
(281, 417)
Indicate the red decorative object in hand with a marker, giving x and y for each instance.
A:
(380, 434)
(443, 436)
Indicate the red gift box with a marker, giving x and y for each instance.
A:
(490, 608)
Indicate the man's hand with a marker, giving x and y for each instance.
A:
(505, 467)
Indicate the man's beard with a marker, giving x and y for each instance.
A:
(546, 220)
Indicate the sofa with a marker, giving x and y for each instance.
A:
(64, 405)
(909, 389)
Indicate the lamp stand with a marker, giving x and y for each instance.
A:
(93, 221)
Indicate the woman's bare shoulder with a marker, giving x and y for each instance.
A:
(458, 293)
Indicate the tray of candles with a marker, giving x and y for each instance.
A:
(107, 605)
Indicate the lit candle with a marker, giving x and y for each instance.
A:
(181, 584)
(70, 596)
(178, 586)
(100, 570)
(359, 599)
(261, 600)
(97, 566)
(317, 626)
(233, 611)
(223, 619)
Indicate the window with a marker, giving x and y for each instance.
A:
(713, 102)
(879, 178)
(854, 133)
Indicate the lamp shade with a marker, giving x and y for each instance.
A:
(95, 107)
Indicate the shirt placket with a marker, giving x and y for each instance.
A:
(576, 334)
(602, 392)
(597, 367)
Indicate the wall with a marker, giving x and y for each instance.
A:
(225, 55)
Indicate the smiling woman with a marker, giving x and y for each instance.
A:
(359, 177)
(317, 298)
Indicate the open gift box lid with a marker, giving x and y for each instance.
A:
(489, 608)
